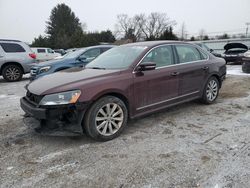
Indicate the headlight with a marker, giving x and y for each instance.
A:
(44, 69)
(247, 54)
(69, 97)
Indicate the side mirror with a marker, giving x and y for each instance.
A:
(211, 50)
(146, 66)
(82, 58)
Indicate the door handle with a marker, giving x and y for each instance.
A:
(175, 73)
(205, 68)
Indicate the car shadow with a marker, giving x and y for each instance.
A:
(2, 80)
(141, 124)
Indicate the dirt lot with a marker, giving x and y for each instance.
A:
(191, 145)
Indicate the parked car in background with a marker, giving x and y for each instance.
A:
(246, 62)
(16, 59)
(45, 54)
(234, 52)
(78, 58)
(71, 50)
(205, 47)
(60, 51)
(127, 81)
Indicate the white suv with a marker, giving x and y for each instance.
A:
(45, 54)
(16, 59)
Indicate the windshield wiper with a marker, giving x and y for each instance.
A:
(100, 68)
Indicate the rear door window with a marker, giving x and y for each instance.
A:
(188, 53)
(12, 47)
(41, 50)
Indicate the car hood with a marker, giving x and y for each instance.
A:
(235, 45)
(53, 62)
(69, 79)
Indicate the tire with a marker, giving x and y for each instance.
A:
(106, 118)
(246, 67)
(211, 91)
(12, 73)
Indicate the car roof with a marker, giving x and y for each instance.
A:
(9, 40)
(40, 48)
(103, 45)
(155, 43)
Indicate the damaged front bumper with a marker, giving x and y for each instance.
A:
(60, 120)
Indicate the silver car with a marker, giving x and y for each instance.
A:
(16, 59)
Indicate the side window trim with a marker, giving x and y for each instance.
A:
(176, 57)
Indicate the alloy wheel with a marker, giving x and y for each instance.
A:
(109, 119)
(12, 73)
(212, 90)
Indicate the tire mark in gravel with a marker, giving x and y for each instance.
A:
(14, 139)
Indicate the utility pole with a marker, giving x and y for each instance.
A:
(247, 24)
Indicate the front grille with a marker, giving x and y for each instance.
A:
(34, 98)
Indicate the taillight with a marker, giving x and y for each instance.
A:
(33, 55)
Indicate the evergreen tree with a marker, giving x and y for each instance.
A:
(206, 37)
(130, 34)
(63, 27)
(192, 38)
(64, 30)
(40, 41)
(224, 36)
(168, 35)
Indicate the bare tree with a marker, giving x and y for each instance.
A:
(124, 25)
(155, 24)
(202, 33)
(183, 31)
(138, 24)
(143, 27)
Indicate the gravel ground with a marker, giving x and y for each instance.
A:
(190, 145)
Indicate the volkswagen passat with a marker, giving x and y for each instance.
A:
(125, 82)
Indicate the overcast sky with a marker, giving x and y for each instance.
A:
(25, 19)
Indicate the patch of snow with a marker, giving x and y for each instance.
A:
(236, 70)
(52, 155)
(3, 96)
(10, 168)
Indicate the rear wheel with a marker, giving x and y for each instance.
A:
(106, 118)
(12, 73)
(211, 91)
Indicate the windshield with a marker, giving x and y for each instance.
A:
(74, 54)
(117, 58)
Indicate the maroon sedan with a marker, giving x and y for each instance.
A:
(125, 82)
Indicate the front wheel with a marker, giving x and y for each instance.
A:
(106, 118)
(211, 91)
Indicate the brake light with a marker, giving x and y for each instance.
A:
(33, 55)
